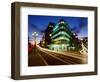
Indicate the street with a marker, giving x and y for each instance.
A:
(43, 57)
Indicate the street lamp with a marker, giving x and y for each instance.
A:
(35, 35)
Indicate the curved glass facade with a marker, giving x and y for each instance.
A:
(61, 37)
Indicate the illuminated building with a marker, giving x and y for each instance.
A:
(42, 43)
(46, 39)
(61, 37)
(48, 33)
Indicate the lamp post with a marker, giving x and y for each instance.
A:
(35, 35)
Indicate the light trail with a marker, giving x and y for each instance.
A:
(69, 59)
(42, 58)
(81, 57)
(54, 56)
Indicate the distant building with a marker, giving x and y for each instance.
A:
(46, 39)
(76, 42)
(48, 33)
(84, 45)
(84, 40)
(61, 37)
(42, 42)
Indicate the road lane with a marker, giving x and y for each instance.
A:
(66, 58)
(35, 59)
(51, 59)
(43, 57)
(70, 60)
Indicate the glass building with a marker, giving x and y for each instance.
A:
(61, 37)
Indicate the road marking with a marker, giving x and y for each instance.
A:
(55, 57)
(69, 61)
(42, 58)
(63, 53)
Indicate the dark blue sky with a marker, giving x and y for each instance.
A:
(38, 24)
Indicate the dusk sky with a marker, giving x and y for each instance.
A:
(38, 24)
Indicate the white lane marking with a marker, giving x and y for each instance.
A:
(42, 58)
(54, 56)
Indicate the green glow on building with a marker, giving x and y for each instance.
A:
(55, 27)
(61, 33)
(61, 37)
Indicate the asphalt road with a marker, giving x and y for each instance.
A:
(44, 57)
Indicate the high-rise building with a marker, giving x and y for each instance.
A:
(61, 37)
(46, 39)
(48, 33)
